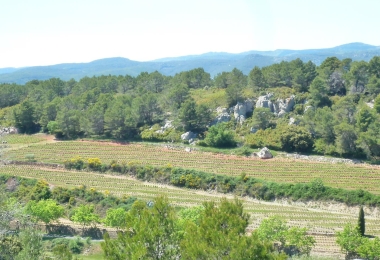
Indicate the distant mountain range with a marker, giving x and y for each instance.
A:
(212, 62)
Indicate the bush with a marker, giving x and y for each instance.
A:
(220, 136)
(94, 164)
(76, 245)
(264, 138)
(76, 163)
(168, 135)
(321, 147)
(296, 138)
(202, 143)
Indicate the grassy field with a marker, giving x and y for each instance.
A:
(23, 139)
(278, 170)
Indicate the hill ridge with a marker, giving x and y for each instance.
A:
(211, 62)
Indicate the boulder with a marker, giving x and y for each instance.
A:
(240, 110)
(264, 153)
(287, 104)
(188, 135)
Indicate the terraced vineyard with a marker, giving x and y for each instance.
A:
(322, 224)
(279, 170)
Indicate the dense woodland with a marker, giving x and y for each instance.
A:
(333, 108)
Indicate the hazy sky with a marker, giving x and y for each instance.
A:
(44, 32)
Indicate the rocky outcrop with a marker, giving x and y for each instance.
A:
(188, 136)
(8, 130)
(240, 110)
(265, 101)
(223, 116)
(168, 124)
(264, 154)
(284, 105)
(279, 107)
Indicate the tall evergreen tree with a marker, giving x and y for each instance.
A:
(361, 221)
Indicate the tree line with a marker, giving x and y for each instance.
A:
(331, 115)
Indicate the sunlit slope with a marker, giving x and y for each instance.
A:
(278, 170)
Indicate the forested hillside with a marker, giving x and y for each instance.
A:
(292, 105)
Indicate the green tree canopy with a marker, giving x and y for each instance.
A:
(45, 210)
(318, 93)
(25, 117)
(85, 215)
(116, 218)
(295, 138)
(261, 118)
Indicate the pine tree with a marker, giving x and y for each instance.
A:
(361, 221)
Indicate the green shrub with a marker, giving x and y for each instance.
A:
(264, 138)
(295, 138)
(30, 157)
(168, 135)
(94, 164)
(76, 245)
(202, 143)
(220, 136)
(76, 163)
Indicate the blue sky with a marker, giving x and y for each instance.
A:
(45, 32)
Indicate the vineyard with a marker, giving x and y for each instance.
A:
(278, 170)
(322, 223)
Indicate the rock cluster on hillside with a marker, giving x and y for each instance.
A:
(279, 107)
(239, 111)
